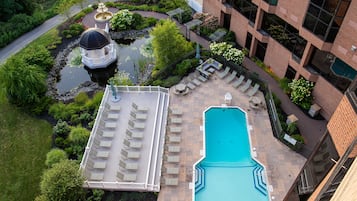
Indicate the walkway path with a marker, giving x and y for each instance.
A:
(312, 130)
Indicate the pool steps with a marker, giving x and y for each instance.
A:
(259, 180)
(200, 178)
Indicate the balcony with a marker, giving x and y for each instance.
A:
(351, 94)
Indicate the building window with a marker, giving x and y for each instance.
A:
(248, 41)
(290, 73)
(285, 34)
(324, 17)
(261, 49)
(272, 2)
(246, 8)
(334, 70)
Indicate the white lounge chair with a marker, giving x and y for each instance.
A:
(171, 181)
(132, 144)
(245, 87)
(112, 116)
(139, 108)
(174, 139)
(254, 90)
(173, 149)
(172, 170)
(196, 82)
(134, 134)
(138, 116)
(224, 73)
(191, 86)
(176, 112)
(112, 107)
(231, 77)
(130, 154)
(176, 120)
(238, 82)
(126, 177)
(136, 124)
(102, 143)
(99, 165)
(106, 134)
(173, 159)
(95, 176)
(175, 129)
(128, 166)
(102, 154)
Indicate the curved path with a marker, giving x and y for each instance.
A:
(312, 130)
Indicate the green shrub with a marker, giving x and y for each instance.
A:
(298, 138)
(170, 81)
(230, 37)
(95, 101)
(292, 128)
(96, 195)
(61, 129)
(122, 20)
(186, 66)
(81, 98)
(277, 101)
(55, 156)
(301, 92)
(62, 111)
(79, 16)
(78, 138)
(75, 120)
(38, 55)
(85, 117)
(87, 10)
(283, 83)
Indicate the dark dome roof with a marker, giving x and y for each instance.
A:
(94, 38)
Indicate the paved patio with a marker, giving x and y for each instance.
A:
(282, 164)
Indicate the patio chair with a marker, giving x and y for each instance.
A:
(136, 125)
(171, 181)
(224, 73)
(132, 144)
(176, 112)
(99, 165)
(130, 154)
(173, 159)
(102, 154)
(112, 107)
(231, 77)
(172, 170)
(112, 116)
(106, 134)
(134, 134)
(128, 166)
(95, 176)
(139, 108)
(191, 86)
(238, 82)
(138, 116)
(174, 139)
(175, 129)
(102, 143)
(254, 90)
(245, 87)
(126, 176)
(176, 120)
(173, 149)
(196, 82)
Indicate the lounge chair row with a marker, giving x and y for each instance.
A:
(238, 82)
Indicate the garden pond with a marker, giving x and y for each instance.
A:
(134, 57)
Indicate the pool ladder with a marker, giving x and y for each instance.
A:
(259, 180)
(200, 178)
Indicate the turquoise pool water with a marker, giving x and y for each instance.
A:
(228, 171)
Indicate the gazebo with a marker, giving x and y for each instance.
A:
(97, 48)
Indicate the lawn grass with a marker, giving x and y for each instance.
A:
(24, 142)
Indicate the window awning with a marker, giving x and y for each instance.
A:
(342, 69)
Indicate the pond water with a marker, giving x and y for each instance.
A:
(132, 56)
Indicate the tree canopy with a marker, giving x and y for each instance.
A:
(168, 44)
(63, 182)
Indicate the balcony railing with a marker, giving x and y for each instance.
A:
(351, 94)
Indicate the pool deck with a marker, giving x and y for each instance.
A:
(281, 163)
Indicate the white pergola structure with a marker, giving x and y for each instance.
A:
(97, 48)
(113, 159)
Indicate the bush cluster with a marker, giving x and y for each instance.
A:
(20, 24)
(73, 30)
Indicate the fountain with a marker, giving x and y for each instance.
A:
(102, 15)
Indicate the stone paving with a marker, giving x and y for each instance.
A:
(282, 164)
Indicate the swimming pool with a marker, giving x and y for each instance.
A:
(227, 171)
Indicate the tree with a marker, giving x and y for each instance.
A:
(78, 138)
(63, 182)
(24, 84)
(55, 156)
(168, 44)
(63, 7)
